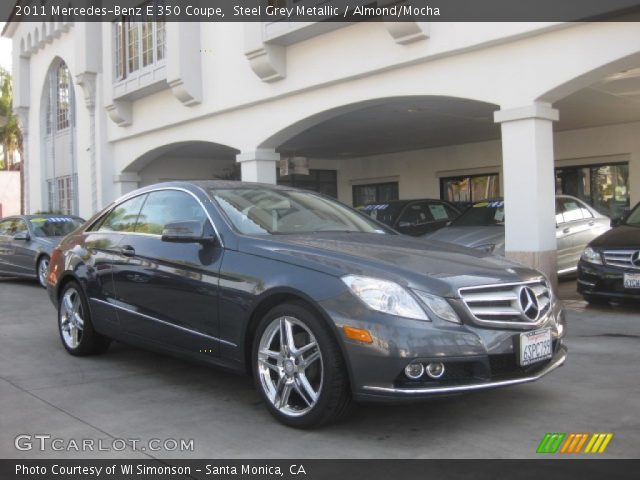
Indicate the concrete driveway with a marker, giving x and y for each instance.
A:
(133, 394)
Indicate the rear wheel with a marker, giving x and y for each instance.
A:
(299, 369)
(42, 270)
(74, 324)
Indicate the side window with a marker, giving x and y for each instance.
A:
(168, 206)
(571, 210)
(123, 218)
(559, 215)
(586, 213)
(19, 226)
(440, 211)
(5, 227)
(415, 214)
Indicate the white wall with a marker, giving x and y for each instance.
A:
(10, 193)
(419, 172)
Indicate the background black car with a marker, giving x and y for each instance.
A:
(26, 242)
(413, 217)
(610, 265)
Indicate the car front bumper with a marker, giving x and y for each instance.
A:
(604, 281)
(475, 357)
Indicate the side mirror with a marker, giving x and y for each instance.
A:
(185, 232)
(616, 222)
(24, 235)
(404, 225)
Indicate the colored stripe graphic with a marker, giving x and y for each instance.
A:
(572, 443)
(550, 443)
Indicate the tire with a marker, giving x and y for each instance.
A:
(299, 374)
(74, 323)
(42, 269)
(594, 300)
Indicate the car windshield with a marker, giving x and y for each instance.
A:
(386, 213)
(482, 214)
(263, 211)
(54, 226)
(634, 217)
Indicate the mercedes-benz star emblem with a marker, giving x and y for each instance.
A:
(635, 259)
(529, 303)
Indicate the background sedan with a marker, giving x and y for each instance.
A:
(413, 217)
(482, 227)
(26, 242)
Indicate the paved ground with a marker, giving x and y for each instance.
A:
(128, 393)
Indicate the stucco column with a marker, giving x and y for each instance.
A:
(125, 183)
(529, 185)
(258, 165)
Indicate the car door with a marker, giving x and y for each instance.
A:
(7, 266)
(572, 233)
(23, 250)
(168, 291)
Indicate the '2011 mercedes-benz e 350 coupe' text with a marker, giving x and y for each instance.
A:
(320, 303)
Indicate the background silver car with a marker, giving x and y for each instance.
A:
(482, 227)
(26, 242)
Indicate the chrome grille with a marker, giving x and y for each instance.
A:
(620, 258)
(505, 303)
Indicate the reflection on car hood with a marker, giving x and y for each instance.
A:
(434, 266)
(470, 236)
(623, 236)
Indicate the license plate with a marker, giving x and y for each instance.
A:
(535, 346)
(632, 280)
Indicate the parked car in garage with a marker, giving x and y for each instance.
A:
(26, 242)
(609, 267)
(413, 217)
(482, 227)
(321, 304)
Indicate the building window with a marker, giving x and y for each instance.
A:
(63, 98)
(138, 44)
(465, 190)
(603, 186)
(374, 193)
(321, 181)
(61, 194)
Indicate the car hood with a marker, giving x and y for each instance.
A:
(623, 236)
(470, 236)
(433, 266)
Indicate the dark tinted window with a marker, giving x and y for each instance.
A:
(168, 206)
(416, 213)
(123, 218)
(386, 213)
(54, 226)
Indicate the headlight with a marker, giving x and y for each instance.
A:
(439, 307)
(591, 256)
(486, 247)
(385, 296)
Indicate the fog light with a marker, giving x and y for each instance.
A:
(414, 370)
(435, 370)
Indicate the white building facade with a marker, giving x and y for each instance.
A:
(365, 112)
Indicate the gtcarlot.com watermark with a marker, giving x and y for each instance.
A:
(45, 442)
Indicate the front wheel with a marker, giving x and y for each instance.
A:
(75, 326)
(299, 369)
(42, 270)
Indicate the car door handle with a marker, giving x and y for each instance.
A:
(566, 230)
(127, 251)
(592, 223)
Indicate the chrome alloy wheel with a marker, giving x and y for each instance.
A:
(71, 321)
(43, 270)
(290, 366)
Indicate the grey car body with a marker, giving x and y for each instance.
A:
(26, 243)
(577, 223)
(247, 276)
